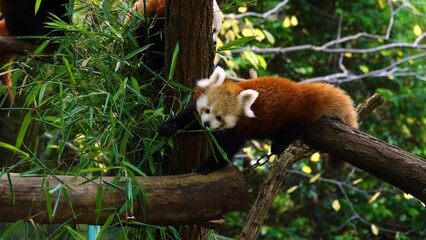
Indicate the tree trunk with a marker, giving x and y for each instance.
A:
(189, 25)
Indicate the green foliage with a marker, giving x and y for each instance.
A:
(99, 109)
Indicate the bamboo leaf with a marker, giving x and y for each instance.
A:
(23, 130)
(236, 44)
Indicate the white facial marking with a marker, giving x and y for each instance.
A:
(247, 98)
(230, 121)
(202, 102)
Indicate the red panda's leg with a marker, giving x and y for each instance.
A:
(230, 142)
(286, 136)
(185, 120)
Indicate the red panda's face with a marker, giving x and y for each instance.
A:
(220, 107)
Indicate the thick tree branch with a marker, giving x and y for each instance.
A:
(180, 199)
(407, 172)
(389, 163)
(15, 46)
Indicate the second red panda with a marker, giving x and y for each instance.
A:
(267, 107)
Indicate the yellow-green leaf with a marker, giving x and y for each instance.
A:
(293, 20)
(357, 181)
(408, 196)
(262, 61)
(336, 205)
(251, 57)
(247, 32)
(286, 22)
(259, 34)
(292, 189)
(242, 9)
(417, 30)
(364, 68)
(315, 157)
(306, 169)
(381, 3)
(374, 230)
(374, 197)
(314, 178)
(269, 37)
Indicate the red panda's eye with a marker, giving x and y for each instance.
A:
(219, 118)
(207, 110)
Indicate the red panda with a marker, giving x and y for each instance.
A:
(263, 108)
(19, 19)
(5, 59)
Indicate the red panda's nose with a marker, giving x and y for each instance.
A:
(206, 124)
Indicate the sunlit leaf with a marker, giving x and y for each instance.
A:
(306, 169)
(242, 9)
(408, 196)
(262, 61)
(293, 20)
(230, 35)
(286, 22)
(226, 24)
(315, 157)
(314, 178)
(357, 181)
(292, 189)
(348, 55)
(374, 197)
(247, 32)
(269, 37)
(417, 30)
(251, 57)
(374, 230)
(381, 3)
(364, 68)
(336, 205)
(259, 34)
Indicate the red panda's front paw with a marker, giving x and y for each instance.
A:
(168, 129)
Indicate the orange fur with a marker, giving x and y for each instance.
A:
(153, 8)
(5, 59)
(282, 101)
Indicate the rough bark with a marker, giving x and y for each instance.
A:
(180, 199)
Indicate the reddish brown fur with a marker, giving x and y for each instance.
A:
(281, 101)
(5, 59)
(153, 7)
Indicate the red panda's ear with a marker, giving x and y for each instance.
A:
(247, 98)
(217, 78)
